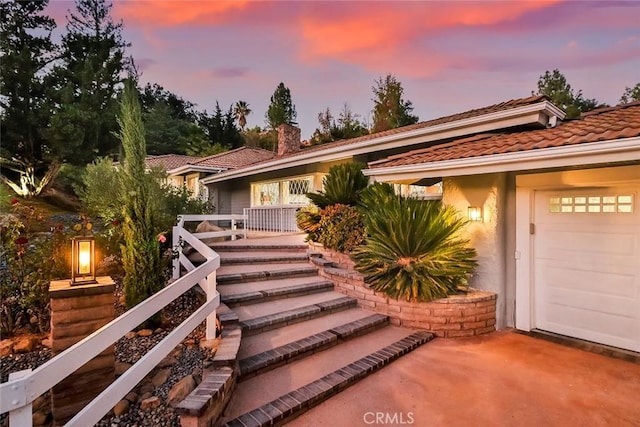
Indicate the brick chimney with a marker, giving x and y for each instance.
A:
(288, 139)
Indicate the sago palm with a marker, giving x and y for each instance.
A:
(414, 250)
(342, 185)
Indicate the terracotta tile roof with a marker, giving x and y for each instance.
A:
(502, 106)
(233, 159)
(603, 124)
(168, 161)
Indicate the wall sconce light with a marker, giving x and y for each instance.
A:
(474, 213)
(83, 261)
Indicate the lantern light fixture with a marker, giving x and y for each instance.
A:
(474, 213)
(83, 260)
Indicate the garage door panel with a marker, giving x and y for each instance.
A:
(592, 326)
(586, 266)
(569, 238)
(570, 277)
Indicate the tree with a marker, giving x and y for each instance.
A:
(281, 110)
(630, 94)
(241, 111)
(347, 126)
(390, 110)
(179, 108)
(28, 160)
(87, 82)
(141, 249)
(554, 85)
(220, 128)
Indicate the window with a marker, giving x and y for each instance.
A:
(290, 191)
(430, 192)
(622, 203)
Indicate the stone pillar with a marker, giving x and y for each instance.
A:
(76, 312)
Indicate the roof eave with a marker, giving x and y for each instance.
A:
(610, 151)
(483, 123)
(192, 168)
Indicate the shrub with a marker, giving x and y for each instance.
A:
(340, 228)
(308, 220)
(342, 185)
(28, 262)
(414, 250)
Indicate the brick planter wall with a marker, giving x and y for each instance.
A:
(455, 316)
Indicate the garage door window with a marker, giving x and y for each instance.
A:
(620, 203)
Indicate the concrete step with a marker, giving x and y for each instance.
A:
(262, 257)
(252, 345)
(265, 285)
(270, 294)
(245, 273)
(285, 392)
(312, 343)
(253, 257)
(258, 318)
(252, 246)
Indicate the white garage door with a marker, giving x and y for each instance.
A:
(587, 264)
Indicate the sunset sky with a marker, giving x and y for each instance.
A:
(450, 56)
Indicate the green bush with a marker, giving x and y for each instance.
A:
(414, 250)
(340, 228)
(28, 262)
(308, 220)
(342, 185)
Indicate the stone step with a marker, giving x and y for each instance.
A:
(295, 314)
(258, 247)
(254, 297)
(285, 392)
(245, 273)
(277, 356)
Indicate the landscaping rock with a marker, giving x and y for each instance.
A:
(160, 377)
(121, 368)
(24, 345)
(121, 408)
(146, 395)
(150, 403)
(40, 418)
(145, 332)
(181, 390)
(47, 342)
(167, 362)
(206, 227)
(6, 347)
(42, 403)
(132, 397)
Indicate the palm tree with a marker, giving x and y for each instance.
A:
(241, 111)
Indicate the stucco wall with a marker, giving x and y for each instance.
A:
(489, 236)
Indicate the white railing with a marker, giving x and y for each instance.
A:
(280, 219)
(23, 387)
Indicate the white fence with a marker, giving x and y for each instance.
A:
(280, 219)
(23, 387)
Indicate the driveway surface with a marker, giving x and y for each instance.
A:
(500, 379)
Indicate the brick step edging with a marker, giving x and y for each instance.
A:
(276, 259)
(288, 317)
(276, 357)
(265, 275)
(256, 297)
(296, 402)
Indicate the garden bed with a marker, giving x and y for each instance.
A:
(472, 313)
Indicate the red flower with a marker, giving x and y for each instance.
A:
(115, 223)
(162, 238)
(22, 240)
(15, 201)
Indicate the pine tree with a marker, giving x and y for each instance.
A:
(281, 110)
(390, 110)
(141, 250)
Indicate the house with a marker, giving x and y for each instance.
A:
(188, 170)
(559, 233)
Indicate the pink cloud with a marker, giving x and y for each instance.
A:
(177, 13)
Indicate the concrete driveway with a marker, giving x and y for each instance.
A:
(500, 379)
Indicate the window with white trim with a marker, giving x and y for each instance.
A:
(290, 191)
(620, 203)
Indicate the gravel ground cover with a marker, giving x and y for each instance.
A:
(190, 361)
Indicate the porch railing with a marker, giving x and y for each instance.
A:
(23, 387)
(280, 219)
